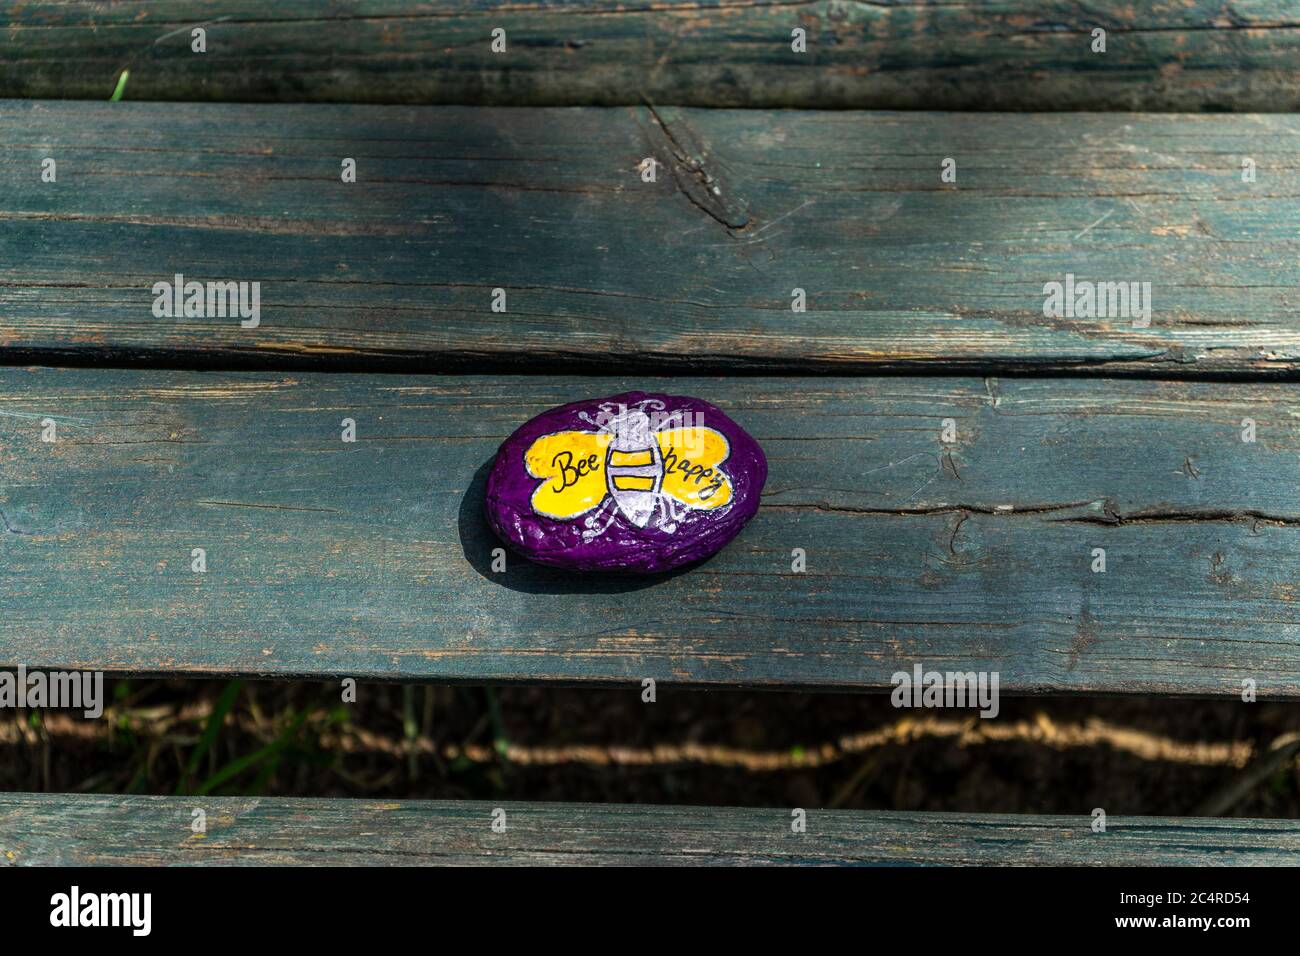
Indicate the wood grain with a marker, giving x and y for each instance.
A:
(372, 559)
(906, 54)
(604, 271)
(85, 830)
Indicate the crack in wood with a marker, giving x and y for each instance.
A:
(693, 180)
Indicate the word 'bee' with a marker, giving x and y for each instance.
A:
(639, 462)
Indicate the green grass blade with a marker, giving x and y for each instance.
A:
(410, 730)
(210, 732)
(239, 765)
(121, 87)
(500, 742)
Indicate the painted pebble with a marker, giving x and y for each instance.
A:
(634, 482)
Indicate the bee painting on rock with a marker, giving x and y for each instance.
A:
(638, 482)
(640, 462)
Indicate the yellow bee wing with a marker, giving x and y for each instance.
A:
(692, 475)
(573, 466)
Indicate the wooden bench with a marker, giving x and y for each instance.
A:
(925, 311)
(100, 830)
(907, 54)
(978, 554)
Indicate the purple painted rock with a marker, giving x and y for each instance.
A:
(633, 482)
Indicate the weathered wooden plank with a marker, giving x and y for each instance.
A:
(84, 830)
(372, 559)
(908, 54)
(693, 271)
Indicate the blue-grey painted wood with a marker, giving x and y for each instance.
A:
(372, 559)
(901, 54)
(83, 830)
(692, 272)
